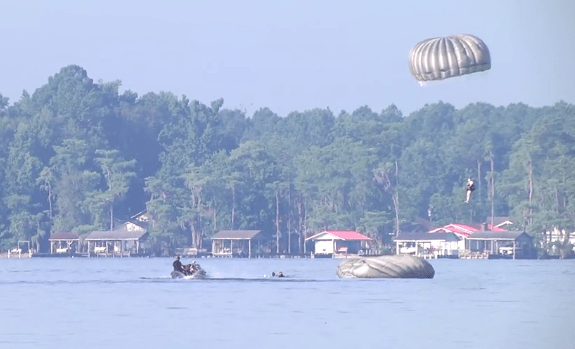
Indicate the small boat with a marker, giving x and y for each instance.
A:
(191, 271)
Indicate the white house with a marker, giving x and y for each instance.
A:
(463, 231)
(558, 235)
(330, 243)
(428, 244)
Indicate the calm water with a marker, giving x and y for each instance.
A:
(132, 303)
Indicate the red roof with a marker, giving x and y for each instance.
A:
(464, 229)
(342, 235)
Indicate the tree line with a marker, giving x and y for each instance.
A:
(78, 155)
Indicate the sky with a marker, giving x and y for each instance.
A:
(291, 55)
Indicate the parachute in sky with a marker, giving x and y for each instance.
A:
(447, 57)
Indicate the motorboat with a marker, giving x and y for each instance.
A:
(191, 271)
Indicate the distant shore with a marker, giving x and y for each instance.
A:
(4, 255)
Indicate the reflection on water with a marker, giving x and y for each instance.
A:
(131, 302)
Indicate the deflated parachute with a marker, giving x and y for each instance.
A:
(391, 266)
(451, 56)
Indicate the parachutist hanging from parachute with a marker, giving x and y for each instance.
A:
(447, 57)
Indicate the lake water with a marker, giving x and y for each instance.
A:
(133, 303)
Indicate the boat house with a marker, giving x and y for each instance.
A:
(499, 244)
(235, 243)
(126, 240)
(64, 242)
(428, 244)
(335, 243)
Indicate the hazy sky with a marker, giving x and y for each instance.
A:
(291, 55)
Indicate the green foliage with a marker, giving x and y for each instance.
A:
(79, 155)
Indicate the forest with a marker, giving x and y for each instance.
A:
(80, 155)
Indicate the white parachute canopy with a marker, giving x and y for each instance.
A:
(452, 56)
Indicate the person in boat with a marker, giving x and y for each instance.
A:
(190, 269)
(470, 188)
(193, 267)
(178, 265)
(279, 274)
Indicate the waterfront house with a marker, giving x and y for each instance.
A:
(499, 244)
(236, 243)
(125, 240)
(64, 242)
(336, 243)
(463, 231)
(557, 235)
(427, 244)
(502, 222)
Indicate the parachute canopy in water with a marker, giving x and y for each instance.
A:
(451, 56)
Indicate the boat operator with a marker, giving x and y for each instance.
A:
(178, 265)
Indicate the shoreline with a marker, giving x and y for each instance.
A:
(4, 255)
